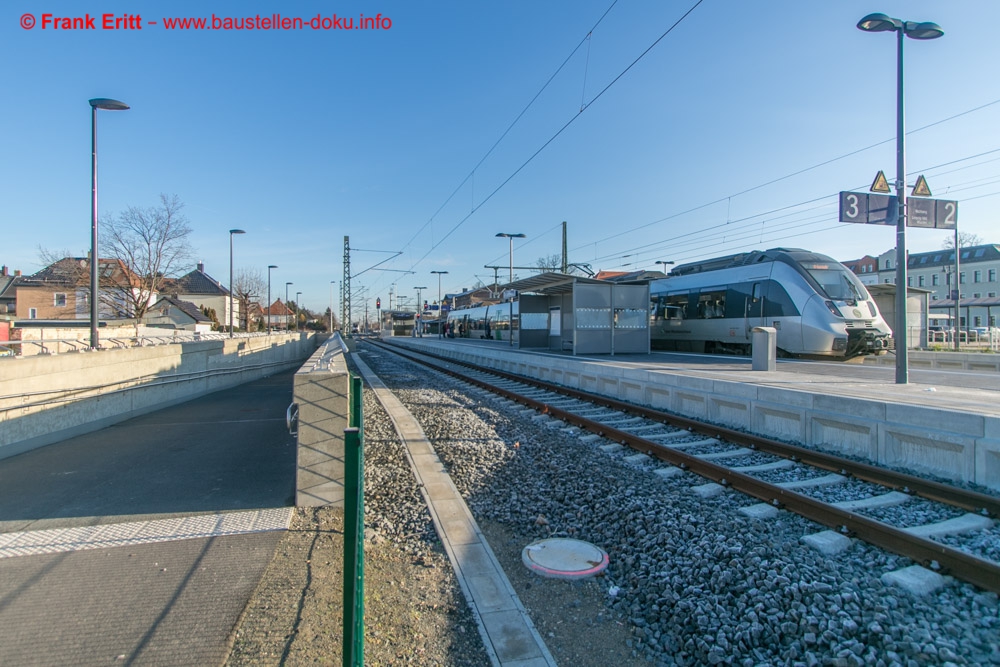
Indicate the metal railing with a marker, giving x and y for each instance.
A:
(52, 345)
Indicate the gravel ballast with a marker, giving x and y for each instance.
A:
(691, 581)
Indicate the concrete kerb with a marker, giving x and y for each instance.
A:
(508, 633)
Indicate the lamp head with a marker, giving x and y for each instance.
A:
(925, 30)
(108, 104)
(879, 23)
(272, 266)
(236, 231)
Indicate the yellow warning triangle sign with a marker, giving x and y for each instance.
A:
(880, 184)
(921, 189)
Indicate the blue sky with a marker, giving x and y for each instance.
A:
(735, 131)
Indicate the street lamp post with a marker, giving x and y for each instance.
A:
(440, 309)
(107, 105)
(331, 306)
(420, 310)
(231, 233)
(269, 267)
(913, 30)
(298, 307)
(510, 279)
(286, 306)
(664, 263)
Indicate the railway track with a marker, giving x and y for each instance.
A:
(833, 491)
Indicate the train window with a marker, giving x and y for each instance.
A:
(675, 305)
(712, 303)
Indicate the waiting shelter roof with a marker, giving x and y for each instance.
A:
(550, 283)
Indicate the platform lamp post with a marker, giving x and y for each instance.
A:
(298, 301)
(440, 310)
(269, 267)
(665, 264)
(331, 306)
(231, 233)
(286, 306)
(420, 311)
(107, 105)
(913, 30)
(510, 278)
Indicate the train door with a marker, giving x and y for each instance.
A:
(754, 308)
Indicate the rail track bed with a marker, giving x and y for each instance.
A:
(707, 575)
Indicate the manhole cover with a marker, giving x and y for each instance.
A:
(564, 558)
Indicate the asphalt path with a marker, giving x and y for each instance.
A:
(172, 602)
(229, 450)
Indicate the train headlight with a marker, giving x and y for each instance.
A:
(871, 309)
(839, 344)
(833, 308)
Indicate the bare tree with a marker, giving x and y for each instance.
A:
(248, 285)
(151, 244)
(550, 263)
(965, 240)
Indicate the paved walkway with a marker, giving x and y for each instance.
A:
(141, 544)
(507, 631)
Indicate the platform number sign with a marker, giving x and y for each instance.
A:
(868, 208)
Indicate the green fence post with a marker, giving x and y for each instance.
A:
(354, 526)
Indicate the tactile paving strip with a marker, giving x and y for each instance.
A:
(58, 540)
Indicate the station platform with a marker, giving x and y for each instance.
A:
(942, 422)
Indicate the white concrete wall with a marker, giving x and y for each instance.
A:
(948, 443)
(322, 392)
(47, 398)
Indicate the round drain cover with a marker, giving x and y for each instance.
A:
(564, 558)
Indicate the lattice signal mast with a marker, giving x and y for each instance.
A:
(345, 290)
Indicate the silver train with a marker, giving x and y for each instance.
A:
(483, 322)
(818, 306)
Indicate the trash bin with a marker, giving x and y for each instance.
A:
(765, 351)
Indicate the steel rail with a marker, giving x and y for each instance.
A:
(937, 556)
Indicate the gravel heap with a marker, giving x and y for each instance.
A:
(699, 583)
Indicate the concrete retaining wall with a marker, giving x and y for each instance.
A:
(322, 393)
(948, 443)
(47, 398)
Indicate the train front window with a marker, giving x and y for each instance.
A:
(837, 283)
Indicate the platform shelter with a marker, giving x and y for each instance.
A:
(582, 315)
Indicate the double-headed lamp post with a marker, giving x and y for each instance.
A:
(286, 305)
(665, 263)
(440, 310)
(231, 233)
(269, 267)
(510, 278)
(913, 30)
(107, 105)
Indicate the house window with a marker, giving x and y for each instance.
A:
(887, 265)
(961, 278)
(935, 279)
(59, 299)
(920, 281)
(977, 276)
(32, 313)
(992, 275)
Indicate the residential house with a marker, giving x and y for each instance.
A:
(205, 292)
(866, 269)
(279, 316)
(8, 292)
(171, 313)
(61, 291)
